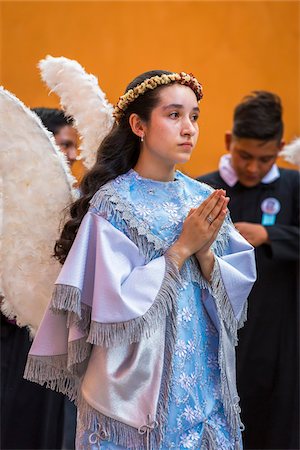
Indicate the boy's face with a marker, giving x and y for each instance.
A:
(67, 140)
(251, 158)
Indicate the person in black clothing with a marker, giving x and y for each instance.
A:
(264, 206)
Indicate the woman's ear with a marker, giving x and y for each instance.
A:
(137, 125)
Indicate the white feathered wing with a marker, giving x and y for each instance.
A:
(36, 187)
(82, 99)
(291, 152)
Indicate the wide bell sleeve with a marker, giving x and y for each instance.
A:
(105, 295)
(232, 279)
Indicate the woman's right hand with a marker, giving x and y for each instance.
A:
(200, 228)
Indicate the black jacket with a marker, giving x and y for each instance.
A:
(268, 350)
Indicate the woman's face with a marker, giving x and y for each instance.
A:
(172, 131)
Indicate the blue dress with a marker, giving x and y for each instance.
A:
(195, 398)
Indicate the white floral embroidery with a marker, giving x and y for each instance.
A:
(193, 379)
(186, 315)
(195, 436)
(189, 414)
(190, 440)
(143, 210)
(191, 346)
(184, 380)
(197, 200)
(171, 208)
(180, 348)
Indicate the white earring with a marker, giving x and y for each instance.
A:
(142, 138)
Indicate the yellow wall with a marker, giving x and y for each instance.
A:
(232, 47)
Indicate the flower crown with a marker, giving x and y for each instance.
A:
(152, 83)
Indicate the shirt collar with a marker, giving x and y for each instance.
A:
(228, 173)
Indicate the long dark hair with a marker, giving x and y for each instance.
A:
(118, 153)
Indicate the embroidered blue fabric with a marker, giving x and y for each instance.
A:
(195, 404)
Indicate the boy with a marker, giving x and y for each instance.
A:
(264, 205)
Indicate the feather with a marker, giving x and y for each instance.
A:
(82, 99)
(291, 152)
(36, 186)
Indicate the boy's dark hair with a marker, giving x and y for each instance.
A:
(259, 116)
(53, 119)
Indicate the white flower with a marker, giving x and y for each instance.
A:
(197, 201)
(193, 379)
(186, 441)
(189, 414)
(190, 440)
(171, 208)
(180, 348)
(186, 315)
(143, 210)
(194, 435)
(191, 346)
(184, 380)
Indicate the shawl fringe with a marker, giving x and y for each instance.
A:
(107, 203)
(231, 405)
(78, 351)
(243, 317)
(51, 371)
(125, 435)
(81, 321)
(110, 429)
(66, 298)
(110, 334)
(217, 289)
(208, 441)
(225, 311)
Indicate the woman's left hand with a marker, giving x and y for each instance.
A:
(216, 218)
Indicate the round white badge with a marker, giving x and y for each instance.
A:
(271, 206)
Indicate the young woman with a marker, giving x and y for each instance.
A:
(153, 287)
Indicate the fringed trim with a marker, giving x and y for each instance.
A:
(109, 204)
(220, 244)
(78, 351)
(209, 441)
(110, 334)
(191, 272)
(230, 403)
(226, 314)
(108, 428)
(167, 376)
(51, 371)
(66, 298)
(81, 321)
(125, 435)
(217, 289)
(243, 317)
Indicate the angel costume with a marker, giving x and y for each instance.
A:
(145, 350)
